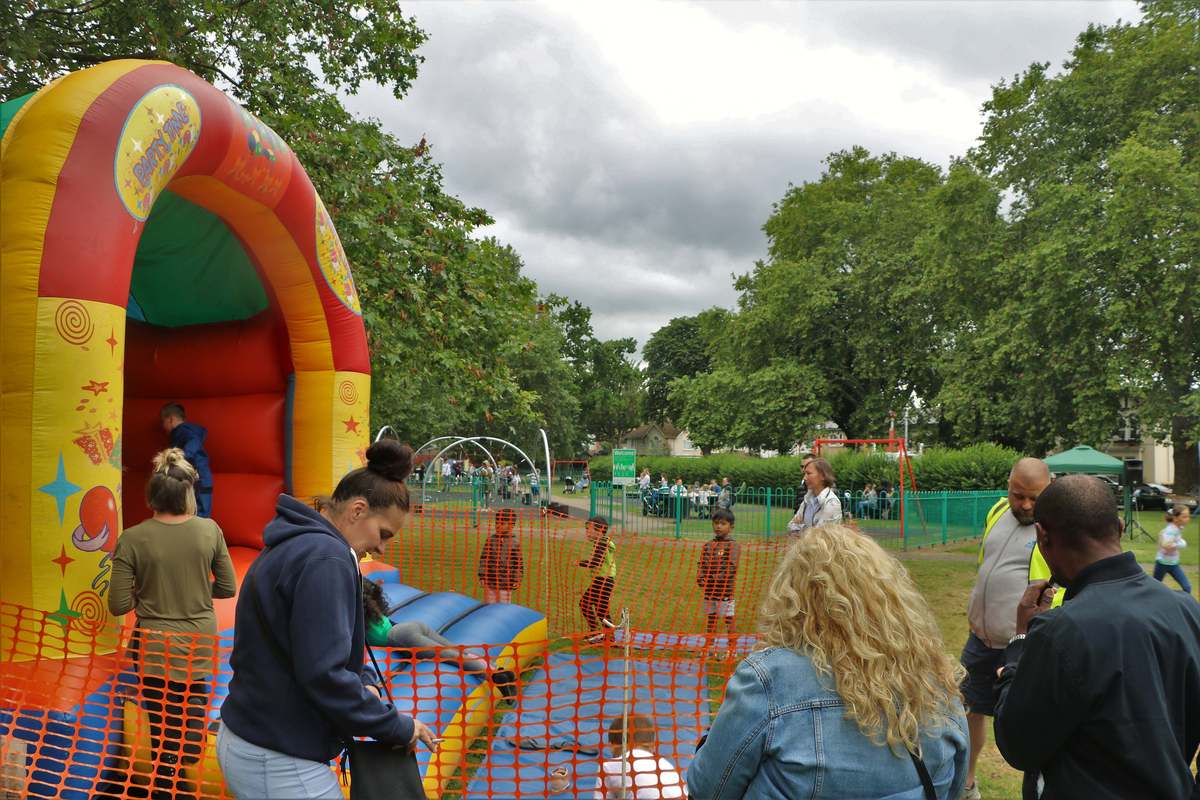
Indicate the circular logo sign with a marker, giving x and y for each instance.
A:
(159, 134)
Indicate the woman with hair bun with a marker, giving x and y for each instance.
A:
(850, 693)
(299, 688)
(168, 569)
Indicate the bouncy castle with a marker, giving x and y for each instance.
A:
(159, 244)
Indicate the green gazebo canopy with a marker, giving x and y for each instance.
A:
(1085, 459)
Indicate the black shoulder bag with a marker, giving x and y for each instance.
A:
(378, 770)
(923, 773)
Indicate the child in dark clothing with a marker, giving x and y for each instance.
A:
(501, 566)
(423, 641)
(717, 571)
(603, 564)
(189, 437)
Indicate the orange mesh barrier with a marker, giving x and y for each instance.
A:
(109, 722)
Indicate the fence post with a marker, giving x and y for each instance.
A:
(945, 516)
(623, 502)
(768, 523)
(592, 498)
(610, 493)
(679, 500)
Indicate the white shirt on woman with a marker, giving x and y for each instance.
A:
(819, 509)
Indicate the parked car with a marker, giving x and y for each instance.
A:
(1150, 497)
(1176, 499)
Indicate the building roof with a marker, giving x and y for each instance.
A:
(668, 430)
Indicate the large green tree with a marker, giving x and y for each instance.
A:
(680, 349)
(608, 383)
(841, 290)
(772, 408)
(1100, 284)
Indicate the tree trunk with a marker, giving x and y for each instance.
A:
(1187, 469)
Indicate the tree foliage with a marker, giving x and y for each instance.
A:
(1101, 162)
(680, 349)
(608, 383)
(459, 339)
(1030, 295)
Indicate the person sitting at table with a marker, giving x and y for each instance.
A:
(869, 501)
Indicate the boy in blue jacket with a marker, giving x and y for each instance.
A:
(189, 437)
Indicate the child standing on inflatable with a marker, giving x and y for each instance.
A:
(501, 566)
(189, 437)
(603, 564)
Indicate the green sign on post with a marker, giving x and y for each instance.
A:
(624, 466)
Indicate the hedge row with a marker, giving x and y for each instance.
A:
(979, 467)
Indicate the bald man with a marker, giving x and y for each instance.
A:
(1101, 696)
(1005, 555)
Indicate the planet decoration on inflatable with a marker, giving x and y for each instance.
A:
(97, 521)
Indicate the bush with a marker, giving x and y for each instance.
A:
(979, 467)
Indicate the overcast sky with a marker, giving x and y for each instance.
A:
(631, 153)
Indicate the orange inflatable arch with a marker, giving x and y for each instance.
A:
(159, 244)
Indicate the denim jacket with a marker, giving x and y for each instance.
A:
(782, 732)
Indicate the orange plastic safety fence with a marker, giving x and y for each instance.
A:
(122, 716)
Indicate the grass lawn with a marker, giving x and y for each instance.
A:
(656, 583)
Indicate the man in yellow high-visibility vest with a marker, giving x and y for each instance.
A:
(1008, 561)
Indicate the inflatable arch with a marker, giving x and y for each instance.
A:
(159, 244)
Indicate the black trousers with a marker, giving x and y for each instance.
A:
(595, 600)
(176, 711)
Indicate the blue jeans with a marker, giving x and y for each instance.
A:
(252, 772)
(1175, 571)
(204, 502)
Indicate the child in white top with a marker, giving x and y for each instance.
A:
(638, 773)
(1170, 542)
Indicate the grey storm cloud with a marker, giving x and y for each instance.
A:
(644, 219)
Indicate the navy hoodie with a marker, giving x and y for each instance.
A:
(308, 584)
(189, 437)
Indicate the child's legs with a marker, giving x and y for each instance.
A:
(587, 604)
(204, 502)
(1160, 570)
(605, 592)
(414, 635)
(1176, 572)
(594, 603)
(492, 596)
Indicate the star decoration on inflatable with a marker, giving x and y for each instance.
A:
(63, 614)
(63, 559)
(351, 425)
(111, 341)
(60, 489)
(95, 387)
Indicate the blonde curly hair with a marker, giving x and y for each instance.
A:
(839, 599)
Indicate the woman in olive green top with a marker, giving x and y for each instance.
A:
(167, 570)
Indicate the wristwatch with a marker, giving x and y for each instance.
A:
(1018, 637)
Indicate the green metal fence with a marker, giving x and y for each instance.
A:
(924, 518)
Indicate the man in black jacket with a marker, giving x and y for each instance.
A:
(1102, 695)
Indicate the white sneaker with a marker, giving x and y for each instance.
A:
(971, 792)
